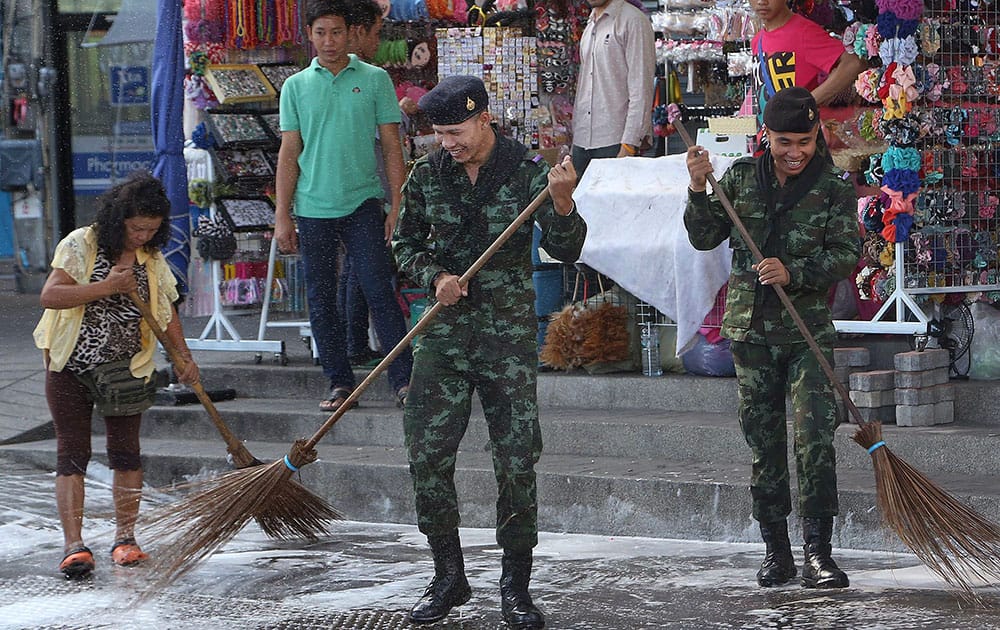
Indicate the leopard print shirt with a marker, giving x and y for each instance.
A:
(110, 329)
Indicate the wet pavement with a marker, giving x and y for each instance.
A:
(367, 575)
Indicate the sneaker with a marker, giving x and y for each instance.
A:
(126, 552)
(77, 564)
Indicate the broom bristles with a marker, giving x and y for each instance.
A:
(947, 536)
(218, 508)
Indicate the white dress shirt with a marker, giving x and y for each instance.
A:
(614, 92)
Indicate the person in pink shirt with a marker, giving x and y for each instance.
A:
(792, 50)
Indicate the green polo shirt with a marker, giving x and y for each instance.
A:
(337, 117)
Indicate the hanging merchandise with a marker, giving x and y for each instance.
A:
(215, 240)
(504, 59)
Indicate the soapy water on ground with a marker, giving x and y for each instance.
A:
(367, 575)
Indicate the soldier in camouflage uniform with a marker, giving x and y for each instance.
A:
(456, 201)
(802, 215)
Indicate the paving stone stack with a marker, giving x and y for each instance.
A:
(874, 394)
(924, 396)
(847, 361)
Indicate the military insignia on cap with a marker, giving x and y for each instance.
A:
(470, 104)
(812, 114)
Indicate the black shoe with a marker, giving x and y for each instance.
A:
(819, 570)
(516, 607)
(778, 566)
(449, 587)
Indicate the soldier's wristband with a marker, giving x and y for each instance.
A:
(692, 191)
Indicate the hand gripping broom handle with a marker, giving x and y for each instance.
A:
(425, 320)
(241, 456)
(758, 256)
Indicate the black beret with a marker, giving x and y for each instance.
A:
(793, 110)
(454, 100)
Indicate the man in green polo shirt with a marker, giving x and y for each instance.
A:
(327, 172)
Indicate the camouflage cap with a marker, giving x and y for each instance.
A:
(792, 110)
(454, 100)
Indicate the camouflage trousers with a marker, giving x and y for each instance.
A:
(436, 417)
(765, 374)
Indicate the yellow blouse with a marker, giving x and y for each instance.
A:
(57, 331)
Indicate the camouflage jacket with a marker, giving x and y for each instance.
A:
(440, 230)
(817, 239)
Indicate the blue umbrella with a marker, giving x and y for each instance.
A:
(168, 133)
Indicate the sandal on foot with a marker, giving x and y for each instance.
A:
(78, 563)
(126, 552)
(401, 395)
(338, 396)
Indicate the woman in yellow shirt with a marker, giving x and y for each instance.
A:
(90, 326)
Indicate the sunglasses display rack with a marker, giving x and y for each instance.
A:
(941, 123)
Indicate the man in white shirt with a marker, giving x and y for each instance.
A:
(614, 92)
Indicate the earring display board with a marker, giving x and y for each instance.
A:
(239, 130)
(246, 214)
(237, 163)
(505, 61)
(277, 73)
(273, 122)
(239, 83)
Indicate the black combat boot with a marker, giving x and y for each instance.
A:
(449, 588)
(778, 566)
(515, 604)
(819, 570)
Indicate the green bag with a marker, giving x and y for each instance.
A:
(116, 392)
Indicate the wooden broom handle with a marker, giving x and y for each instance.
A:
(241, 456)
(782, 295)
(426, 319)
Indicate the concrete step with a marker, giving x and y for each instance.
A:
(975, 401)
(613, 391)
(713, 438)
(596, 495)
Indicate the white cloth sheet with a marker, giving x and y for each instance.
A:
(634, 208)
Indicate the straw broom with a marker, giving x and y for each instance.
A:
(193, 528)
(950, 538)
(302, 513)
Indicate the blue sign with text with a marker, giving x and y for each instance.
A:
(129, 85)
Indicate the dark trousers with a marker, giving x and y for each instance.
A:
(437, 416)
(765, 374)
(353, 308)
(581, 157)
(71, 409)
(362, 234)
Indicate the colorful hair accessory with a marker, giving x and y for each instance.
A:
(860, 46)
(890, 26)
(922, 249)
(904, 9)
(896, 107)
(901, 49)
(900, 158)
(930, 37)
(867, 85)
(988, 209)
(850, 36)
(873, 175)
(872, 41)
(888, 255)
(903, 224)
(956, 79)
(866, 128)
(906, 182)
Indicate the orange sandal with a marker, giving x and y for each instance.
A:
(78, 563)
(126, 552)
